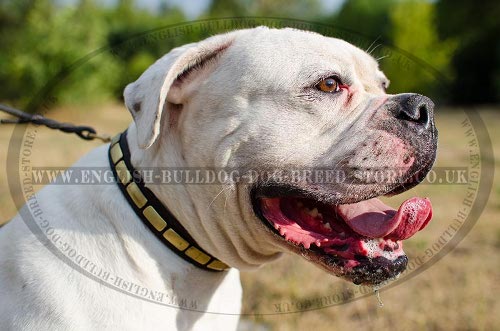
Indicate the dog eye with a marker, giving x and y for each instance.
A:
(329, 85)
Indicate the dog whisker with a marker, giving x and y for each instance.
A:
(216, 196)
(373, 42)
(224, 190)
(382, 57)
(374, 48)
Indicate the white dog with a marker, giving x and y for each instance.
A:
(96, 257)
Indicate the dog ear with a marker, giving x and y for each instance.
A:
(146, 98)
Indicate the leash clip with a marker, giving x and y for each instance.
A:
(84, 132)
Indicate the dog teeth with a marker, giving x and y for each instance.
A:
(282, 231)
(313, 212)
(328, 226)
(318, 243)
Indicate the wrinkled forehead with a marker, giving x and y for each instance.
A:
(302, 55)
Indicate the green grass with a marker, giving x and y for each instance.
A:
(458, 293)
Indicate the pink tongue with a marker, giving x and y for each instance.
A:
(372, 218)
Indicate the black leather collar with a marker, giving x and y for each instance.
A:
(152, 212)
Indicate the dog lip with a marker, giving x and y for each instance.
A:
(378, 270)
(308, 222)
(360, 268)
(272, 190)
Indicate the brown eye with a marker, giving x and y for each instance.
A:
(329, 85)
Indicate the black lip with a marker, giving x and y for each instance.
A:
(369, 271)
(277, 190)
(254, 197)
(377, 270)
(327, 194)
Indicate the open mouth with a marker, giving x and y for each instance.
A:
(361, 242)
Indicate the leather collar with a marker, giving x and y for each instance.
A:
(152, 212)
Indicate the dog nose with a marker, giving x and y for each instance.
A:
(415, 108)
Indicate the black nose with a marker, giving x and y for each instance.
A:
(414, 108)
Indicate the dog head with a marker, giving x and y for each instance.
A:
(263, 100)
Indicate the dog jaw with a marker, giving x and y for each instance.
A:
(257, 108)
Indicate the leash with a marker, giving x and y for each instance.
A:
(84, 132)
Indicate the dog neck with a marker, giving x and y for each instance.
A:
(221, 225)
(152, 212)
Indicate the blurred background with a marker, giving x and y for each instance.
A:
(459, 39)
(65, 59)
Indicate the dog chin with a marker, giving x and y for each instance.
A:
(356, 238)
